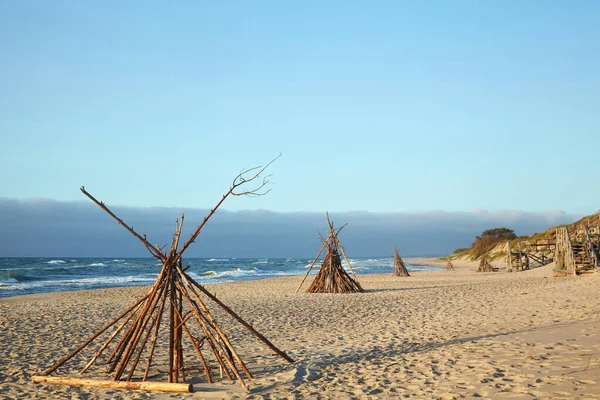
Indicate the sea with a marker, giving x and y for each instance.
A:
(19, 276)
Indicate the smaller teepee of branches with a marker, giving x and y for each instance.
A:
(332, 278)
(399, 268)
(449, 266)
(485, 266)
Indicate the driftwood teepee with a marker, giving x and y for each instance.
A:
(485, 266)
(399, 268)
(332, 278)
(177, 302)
(449, 266)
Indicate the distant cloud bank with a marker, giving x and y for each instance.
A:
(46, 228)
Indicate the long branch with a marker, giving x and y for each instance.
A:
(100, 204)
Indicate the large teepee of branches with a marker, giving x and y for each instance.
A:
(399, 267)
(332, 278)
(174, 311)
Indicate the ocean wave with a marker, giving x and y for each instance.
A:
(14, 277)
(279, 273)
(58, 268)
(411, 268)
(239, 272)
(83, 283)
(117, 260)
(215, 276)
(99, 264)
(217, 259)
(56, 262)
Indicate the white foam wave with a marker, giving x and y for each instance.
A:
(117, 260)
(240, 272)
(97, 264)
(82, 283)
(56, 262)
(217, 259)
(219, 276)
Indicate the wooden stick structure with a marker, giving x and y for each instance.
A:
(449, 266)
(399, 267)
(175, 310)
(332, 277)
(485, 266)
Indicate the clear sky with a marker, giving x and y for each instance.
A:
(376, 106)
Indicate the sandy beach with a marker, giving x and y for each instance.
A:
(444, 334)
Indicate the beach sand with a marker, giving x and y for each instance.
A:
(443, 334)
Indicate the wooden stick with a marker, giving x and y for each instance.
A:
(197, 349)
(179, 332)
(100, 204)
(311, 265)
(172, 322)
(157, 386)
(155, 336)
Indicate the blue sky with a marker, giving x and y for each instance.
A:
(377, 106)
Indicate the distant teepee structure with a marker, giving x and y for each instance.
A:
(179, 304)
(399, 267)
(485, 266)
(332, 278)
(449, 266)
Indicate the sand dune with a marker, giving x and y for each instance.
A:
(444, 335)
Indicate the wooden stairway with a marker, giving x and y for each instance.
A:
(583, 262)
(578, 253)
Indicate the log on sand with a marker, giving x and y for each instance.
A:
(129, 385)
